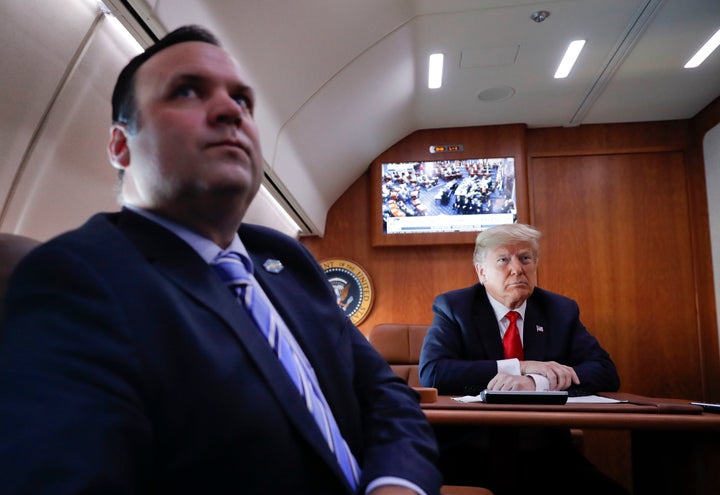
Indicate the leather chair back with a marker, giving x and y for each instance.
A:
(400, 344)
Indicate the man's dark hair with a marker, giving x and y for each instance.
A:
(124, 108)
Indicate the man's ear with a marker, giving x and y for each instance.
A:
(480, 272)
(118, 150)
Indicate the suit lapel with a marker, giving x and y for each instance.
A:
(179, 263)
(288, 295)
(534, 333)
(484, 319)
(289, 298)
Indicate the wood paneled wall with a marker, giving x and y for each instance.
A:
(624, 216)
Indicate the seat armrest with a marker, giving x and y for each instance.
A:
(428, 395)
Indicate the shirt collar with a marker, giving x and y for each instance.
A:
(501, 310)
(206, 248)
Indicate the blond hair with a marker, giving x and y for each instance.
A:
(503, 235)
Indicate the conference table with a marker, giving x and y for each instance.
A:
(675, 446)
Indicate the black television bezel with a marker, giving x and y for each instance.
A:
(427, 164)
(483, 141)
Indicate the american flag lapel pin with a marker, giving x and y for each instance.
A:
(539, 329)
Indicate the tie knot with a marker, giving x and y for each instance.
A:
(512, 316)
(232, 269)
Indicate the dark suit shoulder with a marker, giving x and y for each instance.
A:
(267, 243)
(547, 298)
(461, 301)
(475, 293)
(98, 235)
(98, 225)
(264, 244)
(465, 293)
(252, 234)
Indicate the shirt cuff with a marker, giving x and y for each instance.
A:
(392, 480)
(542, 384)
(509, 366)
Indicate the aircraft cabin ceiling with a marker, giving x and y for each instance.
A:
(340, 81)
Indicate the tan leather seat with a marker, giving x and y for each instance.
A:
(400, 344)
(12, 249)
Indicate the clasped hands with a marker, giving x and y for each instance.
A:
(559, 376)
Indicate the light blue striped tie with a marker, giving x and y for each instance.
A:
(236, 272)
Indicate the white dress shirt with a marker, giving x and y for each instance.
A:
(512, 366)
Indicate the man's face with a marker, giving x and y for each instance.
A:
(196, 137)
(509, 273)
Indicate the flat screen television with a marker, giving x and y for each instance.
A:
(442, 196)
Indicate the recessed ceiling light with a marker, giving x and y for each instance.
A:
(704, 52)
(435, 68)
(496, 94)
(568, 60)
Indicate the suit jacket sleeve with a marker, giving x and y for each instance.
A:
(457, 357)
(71, 416)
(576, 346)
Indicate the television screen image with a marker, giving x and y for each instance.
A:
(466, 195)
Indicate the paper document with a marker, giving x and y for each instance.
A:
(593, 399)
(468, 398)
(585, 399)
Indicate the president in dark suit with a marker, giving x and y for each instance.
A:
(504, 333)
(129, 365)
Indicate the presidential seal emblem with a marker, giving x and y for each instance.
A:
(352, 286)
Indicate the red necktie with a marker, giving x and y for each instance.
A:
(511, 340)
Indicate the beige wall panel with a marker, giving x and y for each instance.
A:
(37, 42)
(67, 176)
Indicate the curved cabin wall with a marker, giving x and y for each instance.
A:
(623, 211)
(55, 118)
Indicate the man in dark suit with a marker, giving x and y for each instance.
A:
(473, 344)
(128, 366)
